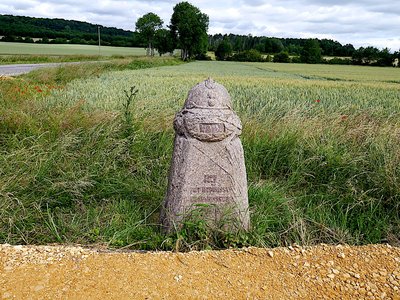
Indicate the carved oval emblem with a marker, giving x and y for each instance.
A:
(210, 131)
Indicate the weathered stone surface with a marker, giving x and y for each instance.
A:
(208, 164)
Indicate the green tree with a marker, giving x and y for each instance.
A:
(164, 42)
(371, 55)
(224, 50)
(273, 45)
(28, 39)
(357, 56)
(294, 49)
(147, 26)
(385, 58)
(282, 57)
(311, 53)
(329, 47)
(365, 56)
(189, 28)
(347, 50)
(248, 55)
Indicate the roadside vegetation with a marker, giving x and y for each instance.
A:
(32, 59)
(85, 152)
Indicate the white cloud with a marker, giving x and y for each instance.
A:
(360, 22)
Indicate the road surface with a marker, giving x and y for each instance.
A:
(18, 69)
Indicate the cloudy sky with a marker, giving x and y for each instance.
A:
(360, 22)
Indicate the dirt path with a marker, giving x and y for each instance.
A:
(321, 272)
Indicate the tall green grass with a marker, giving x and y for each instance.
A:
(322, 156)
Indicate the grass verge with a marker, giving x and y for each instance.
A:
(80, 165)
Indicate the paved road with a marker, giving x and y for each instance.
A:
(13, 70)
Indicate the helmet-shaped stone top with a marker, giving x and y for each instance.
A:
(208, 95)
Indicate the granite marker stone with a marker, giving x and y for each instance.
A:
(207, 166)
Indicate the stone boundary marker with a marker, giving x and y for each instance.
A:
(207, 177)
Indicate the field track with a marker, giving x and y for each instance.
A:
(319, 272)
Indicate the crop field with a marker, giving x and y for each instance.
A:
(322, 151)
(65, 49)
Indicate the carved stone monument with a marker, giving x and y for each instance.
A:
(207, 167)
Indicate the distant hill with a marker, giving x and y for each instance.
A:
(19, 28)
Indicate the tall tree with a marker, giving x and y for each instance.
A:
(282, 57)
(347, 50)
(273, 45)
(189, 28)
(371, 54)
(224, 50)
(385, 58)
(365, 56)
(164, 42)
(147, 26)
(311, 53)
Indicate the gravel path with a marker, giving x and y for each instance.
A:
(320, 272)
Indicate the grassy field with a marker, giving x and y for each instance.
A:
(66, 49)
(321, 144)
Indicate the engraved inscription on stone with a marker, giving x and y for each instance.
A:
(212, 128)
(207, 163)
(210, 191)
(210, 178)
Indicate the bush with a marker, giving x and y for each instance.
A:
(224, 50)
(311, 53)
(8, 38)
(282, 57)
(248, 55)
(28, 40)
(59, 41)
(296, 60)
(202, 56)
(338, 61)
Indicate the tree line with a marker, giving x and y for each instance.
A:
(248, 48)
(273, 45)
(188, 31)
(60, 31)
